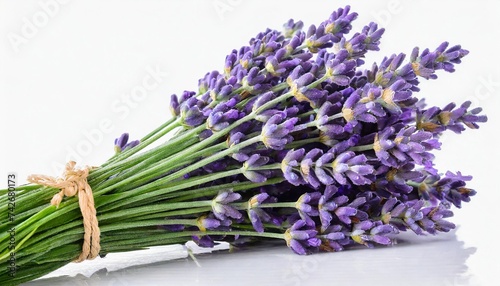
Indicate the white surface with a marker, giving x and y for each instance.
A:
(439, 260)
(66, 86)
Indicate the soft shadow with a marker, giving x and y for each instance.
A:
(431, 260)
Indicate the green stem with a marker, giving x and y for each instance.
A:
(158, 189)
(146, 223)
(144, 210)
(138, 162)
(159, 132)
(276, 166)
(362, 148)
(168, 147)
(143, 177)
(279, 205)
(300, 143)
(188, 195)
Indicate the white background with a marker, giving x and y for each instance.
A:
(71, 72)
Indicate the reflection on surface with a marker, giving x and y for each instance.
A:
(436, 260)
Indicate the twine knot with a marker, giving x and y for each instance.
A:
(75, 182)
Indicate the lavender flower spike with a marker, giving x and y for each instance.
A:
(331, 207)
(306, 205)
(256, 214)
(220, 206)
(121, 143)
(367, 232)
(255, 161)
(293, 139)
(352, 166)
(275, 132)
(205, 222)
(301, 238)
(291, 161)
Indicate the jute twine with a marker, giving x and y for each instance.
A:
(75, 182)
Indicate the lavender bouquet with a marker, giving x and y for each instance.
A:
(292, 140)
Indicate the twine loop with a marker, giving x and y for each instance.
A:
(75, 182)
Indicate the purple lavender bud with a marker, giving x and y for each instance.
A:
(363, 109)
(404, 215)
(191, 114)
(307, 206)
(254, 76)
(326, 207)
(318, 39)
(122, 145)
(272, 66)
(347, 213)
(344, 214)
(230, 62)
(131, 144)
(437, 120)
(361, 43)
(206, 222)
(452, 188)
(174, 227)
(220, 206)
(262, 99)
(174, 105)
(339, 68)
(277, 65)
(306, 166)
(380, 234)
(352, 166)
(258, 215)
(373, 35)
(324, 124)
(219, 89)
(255, 220)
(335, 207)
(321, 163)
(235, 138)
(434, 218)
(203, 241)
(338, 24)
(295, 42)
(205, 82)
(426, 63)
(255, 161)
(222, 115)
(393, 95)
(335, 237)
(120, 142)
(290, 28)
(394, 181)
(301, 238)
(299, 82)
(255, 213)
(217, 166)
(367, 232)
(408, 143)
(205, 134)
(265, 115)
(288, 164)
(275, 132)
